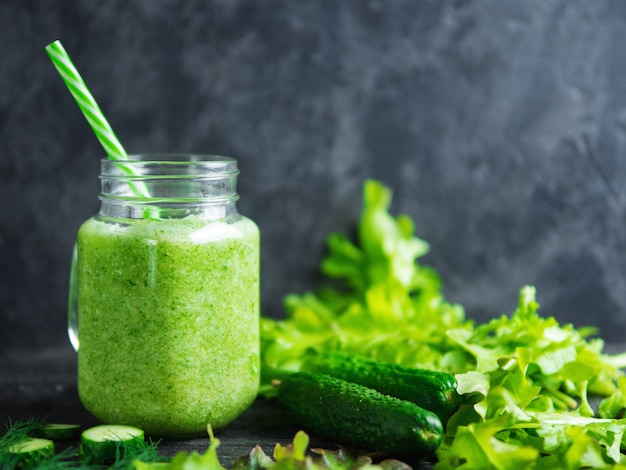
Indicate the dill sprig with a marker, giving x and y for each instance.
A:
(128, 452)
(15, 433)
(18, 430)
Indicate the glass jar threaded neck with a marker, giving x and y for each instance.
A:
(169, 186)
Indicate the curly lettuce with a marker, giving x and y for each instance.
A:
(529, 381)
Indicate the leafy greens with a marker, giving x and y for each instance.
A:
(529, 378)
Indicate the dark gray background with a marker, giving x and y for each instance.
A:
(500, 125)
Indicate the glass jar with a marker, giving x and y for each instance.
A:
(166, 279)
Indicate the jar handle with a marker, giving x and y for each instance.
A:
(72, 304)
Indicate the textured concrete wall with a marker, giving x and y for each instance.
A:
(500, 125)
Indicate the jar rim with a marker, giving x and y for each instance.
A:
(172, 157)
(164, 165)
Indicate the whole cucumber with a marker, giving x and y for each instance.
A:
(358, 416)
(434, 391)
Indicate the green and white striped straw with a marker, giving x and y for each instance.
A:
(91, 110)
(85, 100)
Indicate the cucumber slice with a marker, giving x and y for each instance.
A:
(31, 451)
(57, 431)
(101, 444)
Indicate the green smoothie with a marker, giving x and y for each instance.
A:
(168, 321)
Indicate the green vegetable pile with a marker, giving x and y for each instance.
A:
(544, 395)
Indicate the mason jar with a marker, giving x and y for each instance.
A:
(165, 300)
